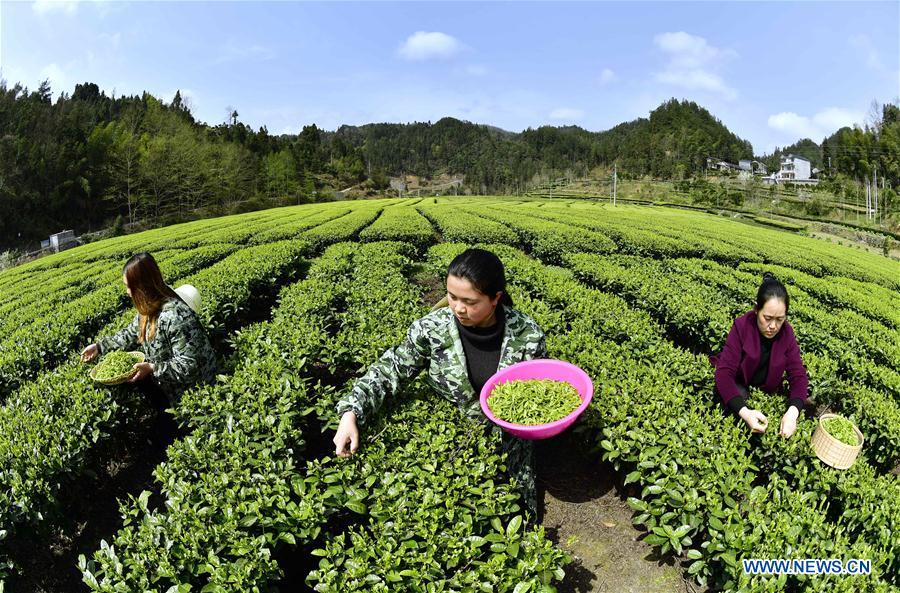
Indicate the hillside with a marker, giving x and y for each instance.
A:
(87, 158)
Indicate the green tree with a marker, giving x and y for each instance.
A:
(280, 175)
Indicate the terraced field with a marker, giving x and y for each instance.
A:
(301, 300)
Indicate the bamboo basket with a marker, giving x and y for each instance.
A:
(139, 356)
(832, 451)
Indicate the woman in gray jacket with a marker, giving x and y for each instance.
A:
(177, 351)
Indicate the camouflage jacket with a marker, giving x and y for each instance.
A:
(433, 344)
(180, 350)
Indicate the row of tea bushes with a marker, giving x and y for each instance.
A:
(873, 301)
(434, 500)
(275, 358)
(752, 243)
(548, 240)
(656, 424)
(633, 239)
(30, 301)
(455, 225)
(400, 223)
(292, 228)
(51, 428)
(677, 295)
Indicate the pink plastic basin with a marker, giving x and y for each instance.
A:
(557, 370)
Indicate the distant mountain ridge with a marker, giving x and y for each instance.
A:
(675, 139)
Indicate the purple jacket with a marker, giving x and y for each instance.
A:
(739, 359)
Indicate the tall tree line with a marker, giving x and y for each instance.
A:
(80, 161)
(84, 159)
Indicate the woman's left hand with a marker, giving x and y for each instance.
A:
(789, 422)
(143, 369)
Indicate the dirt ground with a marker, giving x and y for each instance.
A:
(586, 513)
(48, 561)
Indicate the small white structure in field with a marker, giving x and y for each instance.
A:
(63, 240)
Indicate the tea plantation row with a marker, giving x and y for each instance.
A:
(636, 296)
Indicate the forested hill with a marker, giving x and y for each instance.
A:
(675, 139)
(81, 160)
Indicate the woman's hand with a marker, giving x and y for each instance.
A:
(789, 422)
(144, 370)
(755, 419)
(90, 353)
(347, 431)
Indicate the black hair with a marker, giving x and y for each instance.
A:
(484, 270)
(771, 288)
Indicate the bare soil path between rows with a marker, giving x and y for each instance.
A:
(585, 512)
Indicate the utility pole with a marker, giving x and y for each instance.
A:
(875, 189)
(615, 181)
(868, 201)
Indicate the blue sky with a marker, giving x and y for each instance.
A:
(773, 72)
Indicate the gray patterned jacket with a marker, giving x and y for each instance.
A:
(433, 344)
(180, 350)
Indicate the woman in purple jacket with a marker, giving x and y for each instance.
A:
(760, 348)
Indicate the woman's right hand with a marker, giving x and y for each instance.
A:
(346, 432)
(90, 352)
(755, 419)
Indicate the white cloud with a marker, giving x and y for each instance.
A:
(57, 78)
(44, 7)
(689, 51)
(32, 79)
(817, 127)
(699, 80)
(607, 76)
(791, 123)
(422, 45)
(834, 118)
(285, 119)
(103, 8)
(566, 113)
(693, 63)
(13, 75)
(232, 52)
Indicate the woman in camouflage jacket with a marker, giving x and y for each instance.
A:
(459, 346)
(177, 349)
